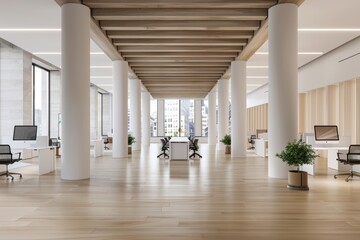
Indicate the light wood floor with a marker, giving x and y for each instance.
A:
(142, 197)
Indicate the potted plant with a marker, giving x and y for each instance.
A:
(227, 141)
(298, 153)
(131, 140)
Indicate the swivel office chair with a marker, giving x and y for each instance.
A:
(195, 148)
(164, 148)
(352, 157)
(106, 142)
(6, 158)
(251, 140)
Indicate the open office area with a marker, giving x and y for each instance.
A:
(167, 119)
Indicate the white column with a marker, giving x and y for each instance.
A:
(223, 110)
(120, 109)
(161, 117)
(212, 118)
(94, 111)
(135, 112)
(198, 118)
(145, 115)
(283, 96)
(238, 109)
(75, 62)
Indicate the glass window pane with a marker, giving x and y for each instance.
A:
(171, 116)
(153, 118)
(204, 117)
(187, 118)
(41, 100)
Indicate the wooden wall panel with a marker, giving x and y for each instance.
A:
(337, 104)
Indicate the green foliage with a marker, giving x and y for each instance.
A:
(131, 139)
(226, 140)
(297, 153)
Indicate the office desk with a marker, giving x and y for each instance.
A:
(47, 159)
(331, 160)
(260, 147)
(179, 148)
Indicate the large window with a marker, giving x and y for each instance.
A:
(41, 98)
(172, 114)
(187, 118)
(179, 118)
(153, 118)
(204, 117)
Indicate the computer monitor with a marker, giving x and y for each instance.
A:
(25, 133)
(326, 134)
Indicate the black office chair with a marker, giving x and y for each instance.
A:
(106, 141)
(6, 158)
(164, 148)
(54, 142)
(195, 147)
(352, 157)
(251, 140)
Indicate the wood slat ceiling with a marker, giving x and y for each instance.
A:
(180, 48)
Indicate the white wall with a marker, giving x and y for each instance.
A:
(323, 71)
(329, 68)
(15, 90)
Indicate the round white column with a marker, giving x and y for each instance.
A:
(283, 95)
(198, 118)
(238, 109)
(75, 74)
(120, 109)
(135, 112)
(212, 118)
(223, 110)
(145, 115)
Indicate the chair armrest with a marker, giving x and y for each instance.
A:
(18, 153)
(342, 156)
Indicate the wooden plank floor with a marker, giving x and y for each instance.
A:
(142, 197)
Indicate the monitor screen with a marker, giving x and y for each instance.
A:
(25, 133)
(326, 133)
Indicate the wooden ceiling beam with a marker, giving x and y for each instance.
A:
(180, 42)
(166, 14)
(179, 68)
(179, 59)
(178, 79)
(148, 34)
(145, 48)
(179, 54)
(195, 64)
(179, 25)
(179, 4)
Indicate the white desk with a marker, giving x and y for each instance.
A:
(331, 160)
(260, 147)
(47, 157)
(98, 147)
(179, 148)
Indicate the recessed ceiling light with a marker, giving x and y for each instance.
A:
(100, 66)
(256, 67)
(265, 77)
(329, 29)
(30, 30)
(59, 53)
(253, 85)
(300, 53)
(100, 77)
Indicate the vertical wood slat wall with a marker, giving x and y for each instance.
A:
(257, 118)
(337, 104)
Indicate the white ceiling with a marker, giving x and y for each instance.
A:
(46, 14)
